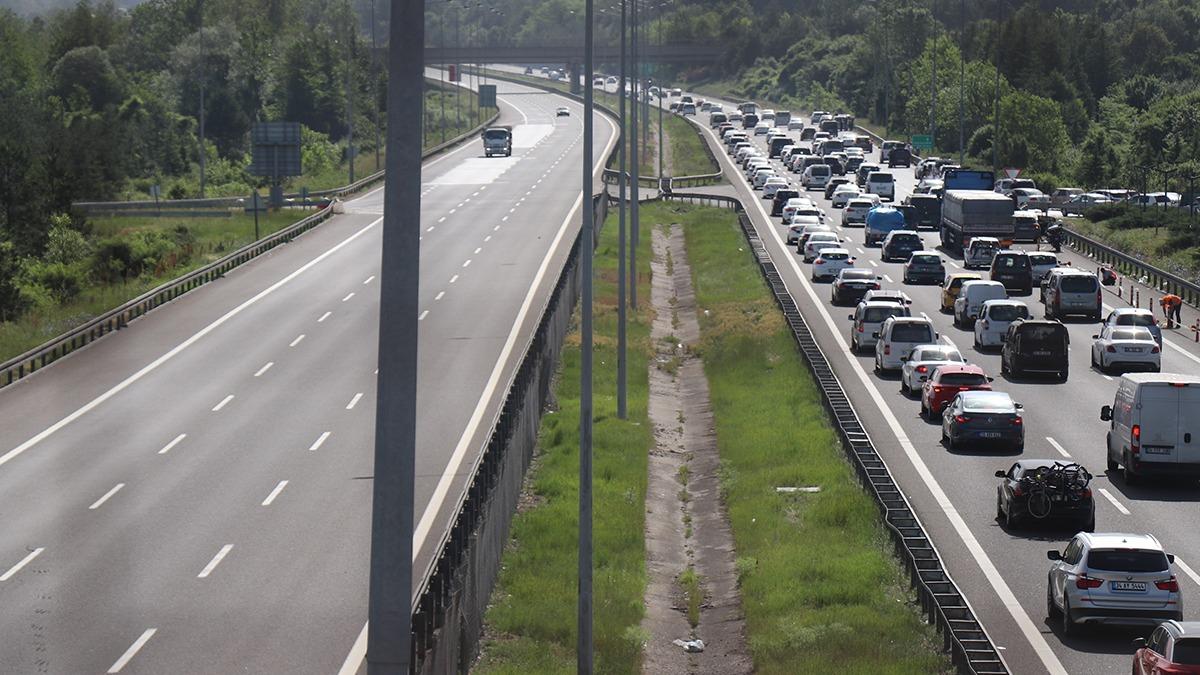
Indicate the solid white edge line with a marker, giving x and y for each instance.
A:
(1187, 570)
(354, 401)
(168, 446)
(359, 651)
(24, 561)
(223, 403)
(100, 502)
(153, 365)
(132, 651)
(216, 560)
(274, 493)
(1113, 500)
(1061, 450)
(320, 441)
(1026, 625)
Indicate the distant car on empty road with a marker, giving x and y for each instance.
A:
(562, 111)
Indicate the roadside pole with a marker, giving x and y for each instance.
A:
(586, 252)
(622, 411)
(633, 155)
(389, 633)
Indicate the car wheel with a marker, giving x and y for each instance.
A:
(945, 438)
(1110, 463)
(999, 511)
(1051, 608)
(1068, 626)
(904, 386)
(924, 410)
(978, 344)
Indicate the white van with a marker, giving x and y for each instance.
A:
(883, 184)
(896, 339)
(868, 318)
(1072, 291)
(1155, 426)
(970, 300)
(816, 177)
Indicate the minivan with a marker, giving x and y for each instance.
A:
(1069, 291)
(881, 183)
(1155, 425)
(896, 339)
(717, 119)
(868, 318)
(1013, 269)
(1036, 346)
(970, 300)
(830, 146)
(816, 176)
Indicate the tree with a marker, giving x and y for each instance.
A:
(1098, 161)
(1032, 134)
(85, 79)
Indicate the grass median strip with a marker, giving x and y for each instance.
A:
(531, 620)
(820, 588)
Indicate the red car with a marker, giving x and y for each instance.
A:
(1173, 647)
(945, 383)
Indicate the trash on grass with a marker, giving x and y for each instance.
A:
(696, 645)
(792, 490)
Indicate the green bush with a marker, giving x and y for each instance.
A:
(65, 245)
(61, 282)
(113, 261)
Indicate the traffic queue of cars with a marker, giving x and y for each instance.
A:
(1097, 578)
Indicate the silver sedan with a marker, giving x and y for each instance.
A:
(921, 362)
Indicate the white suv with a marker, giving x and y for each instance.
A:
(1112, 579)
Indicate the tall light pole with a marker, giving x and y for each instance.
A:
(584, 650)
(350, 35)
(658, 72)
(962, 81)
(375, 83)
(996, 101)
(389, 628)
(933, 79)
(203, 77)
(622, 411)
(633, 155)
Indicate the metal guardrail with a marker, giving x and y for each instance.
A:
(115, 319)
(1129, 266)
(942, 602)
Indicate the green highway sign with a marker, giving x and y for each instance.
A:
(924, 142)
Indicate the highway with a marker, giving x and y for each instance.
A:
(192, 494)
(1002, 573)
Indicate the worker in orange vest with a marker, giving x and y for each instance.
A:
(1171, 305)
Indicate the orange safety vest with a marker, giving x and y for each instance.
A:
(1171, 300)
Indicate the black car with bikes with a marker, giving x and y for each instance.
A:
(1035, 491)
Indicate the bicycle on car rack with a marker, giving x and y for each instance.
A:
(1056, 483)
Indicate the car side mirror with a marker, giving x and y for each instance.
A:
(875, 335)
(991, 379)
(1139, 643)
(850, 316)
(878, 278)
(1019, 406)
(1171, 558)
(1053, 555)
(1095, 337)
(903, 359)
(1001, 473)
(1106, 413)
(937, 336)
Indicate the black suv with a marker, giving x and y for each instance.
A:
(1036, 346)
(899, 157)
(781, 199)
(900, 245)
(1012, 269)
(929, 210)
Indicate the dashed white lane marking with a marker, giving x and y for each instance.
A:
(467, 263)
(423, 315)
(454, 278)
(12, 571)
(430, 228)
(1119, 506)
(1061, 450)
(953, 264)
(224, 401)
(487, 239)
(354, 401)
(167, 448)
(453, 210)
(888, 279)
(477, 250)
(873, 263)
(368, 280)
(494, 229)
(475, 193)
(274, 493)
(264, 369)
(320, 441)
(348, 297)
(298, 340)
(504, 218)
(132, 651)
(216, 560)
(512, 209)
(100, 502)
(440, 220)
(440, 295)
(1187, 570)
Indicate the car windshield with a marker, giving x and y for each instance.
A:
(819, 170)
(963, 379)
(991, 401)
(1127, 560)
(907, 239)
(858, 275)
(880, 314)
(1187, 652)
(926, 260)
(1008, 312)
(1132, 334)
(1041, 259)
(912, 332)
(835, 256)
(1079, 283)
(1135, 320)
(494, 134)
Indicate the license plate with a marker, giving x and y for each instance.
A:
(1156, 449)
(1041, 353)
(989, 434)
(1128, 586)
(1133, 350)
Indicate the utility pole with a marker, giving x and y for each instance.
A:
(350, 35)
(375, 83)
(633, 156)
(584, 651)
(203, 77)
(962, 81)
(657, 71)
(996, 102)
(933, 81)
(442, 71)
(622, 411)
(389, 632)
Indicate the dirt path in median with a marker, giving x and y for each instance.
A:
(692, 591)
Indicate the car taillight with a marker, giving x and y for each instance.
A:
(875, 287)
(1017, 491)
(922, 369)
(860, 328)
(1135, 439)
(962, 419)
(819, 261)
(1154, 349)
(887, 350)
(1017, 421)
(1171, 585)
(1110, 349)
(1085, 582)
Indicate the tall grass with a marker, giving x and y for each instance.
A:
(820, 589)
(531, 621)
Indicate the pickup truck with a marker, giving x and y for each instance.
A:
(497, 141)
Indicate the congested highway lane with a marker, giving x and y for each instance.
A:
(1003, 573)
(193, 493)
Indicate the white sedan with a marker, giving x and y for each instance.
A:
(994, 319)
(921, 361)
(817, 242)
(761, 176)
(1126, 348)
(804, 225)
(810, 211)
(774, 184)
(830, 262)
(843, 194)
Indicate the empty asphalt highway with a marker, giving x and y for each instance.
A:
(192, 494)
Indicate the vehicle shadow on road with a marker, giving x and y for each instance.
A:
(1098, 639)
(979, 450)
(1056, 531)
(1157, 488)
